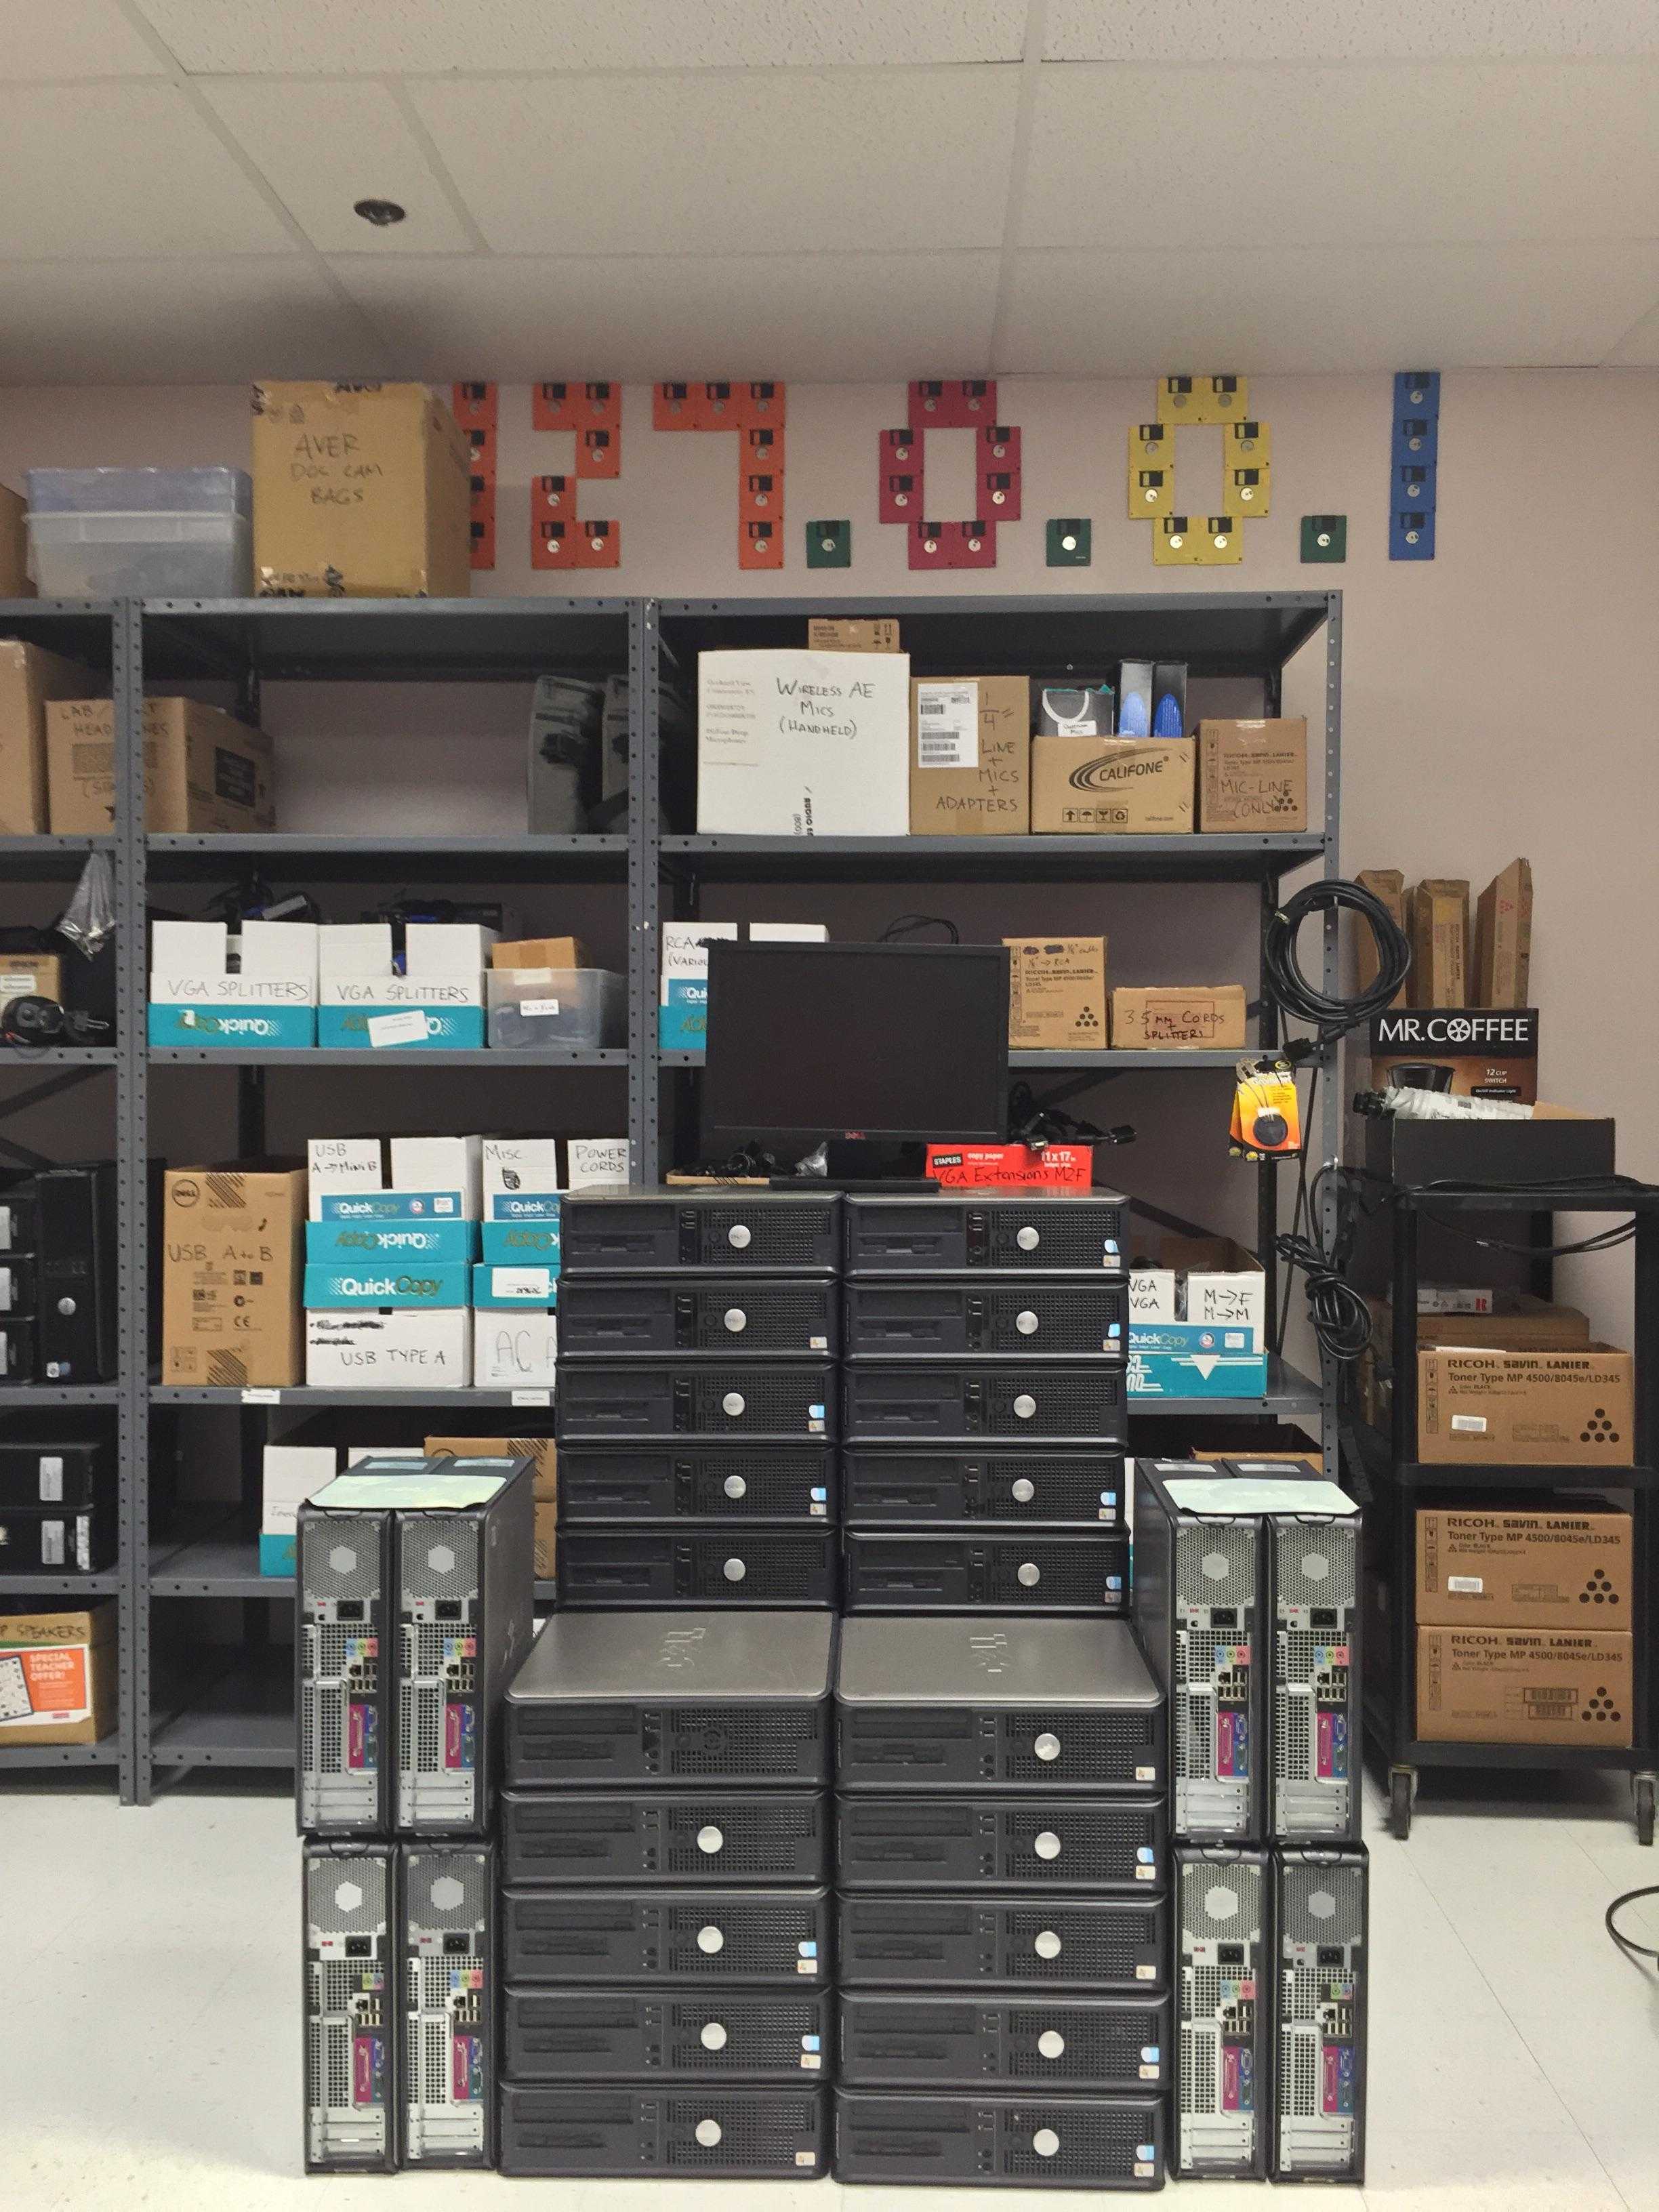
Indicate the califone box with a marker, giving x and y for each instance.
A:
(618, 1699)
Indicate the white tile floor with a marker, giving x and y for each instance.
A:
(151, 2047)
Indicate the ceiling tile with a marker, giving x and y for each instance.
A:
(1639, 346)
(71, 39)
(322, 147)
(1345, 30)
(1156, 313)
(122, 169)
(750, 162)
(210, 321)
(420, 36)
(827, 318)
(1394, 155)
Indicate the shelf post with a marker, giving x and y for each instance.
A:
(132, 1203)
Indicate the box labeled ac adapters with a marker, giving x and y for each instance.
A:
(1056, 993)
(970, 757)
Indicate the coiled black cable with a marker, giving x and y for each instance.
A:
(1290, 989)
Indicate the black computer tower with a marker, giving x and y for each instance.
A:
(1225, 1984)
(1063, 2040)
(1054, 1488)
(987, 1571)
(699, 1564)
(688, 1480)
(987, 1315)
(650, 1934)
(56, 1465)
(75, 1274)
(742, 1231)
(452, 2003)
(775, 1838)
(717, 2132)
(602, 1318)
(734, 1401)
(1031, 1842)
(51, 1540)
(1321, 1953)
(351, 2006)
(614, 1699)
(969, 1401)
(669, 2035)
(970, 1939)
(1022, 2141)
(1023, 1232)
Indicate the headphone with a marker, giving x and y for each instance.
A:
(36, 1022)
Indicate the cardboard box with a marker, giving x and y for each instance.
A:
(1457, 1298)
(532, 1240)
(1524, 1685)
(58, 1675)
(436, 1004)
(1439, 931)
(803, 744)
(514, 1350)
(233, 1241)
(970, 757)
(29, 681)
(542, 1450)
(1253, 776)
(1168, 1016)
(203, 769)
(1502, 938)
(1493, 1408)
(1081, 787)
(1491, 1052)
(683, 989)
(1056, 993)
(196, 1001)
(31, 975)
(1561, 1569)
(389, 1349)
(539, 952)
(838, 634)
(289, 1474)
(439, 1163)
(597, 1162)
(15, 582)
(1388, 885)
(1517, 1322)
(360, 491)
(547, 1525)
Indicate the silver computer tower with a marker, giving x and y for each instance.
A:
(350, 2010)
(450, 2004)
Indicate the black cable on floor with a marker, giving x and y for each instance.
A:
(1628, 1944)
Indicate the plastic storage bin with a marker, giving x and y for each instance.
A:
(141, 533)
(532, 1008)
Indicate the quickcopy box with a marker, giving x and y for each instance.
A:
(415, 1283)
(393, 1349)
(533, 1241)
(514, 1350)
(435, 1004)
(421, 1164)
(516, 1169)
(394, 1206)
(683, 992)
(289, 1475)
(199, 998)
(374, 1243)
(512, 1282)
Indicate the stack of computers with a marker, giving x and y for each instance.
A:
(697, 1400)
(414, 1587)
(1247, 1605)
(666, 1849)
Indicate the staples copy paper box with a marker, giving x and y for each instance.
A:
(794, 743)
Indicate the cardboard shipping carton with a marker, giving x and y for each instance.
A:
(542, 1450)
(1388, 885)
(1502, 938)
(1485, 1053)
(1056, 993)
(1084, 786)
(970, 757)
(1191, 1015)
(232, 1261)
(31, 975)
(539, 952)
(1253, 775)
(1517, 1322)
(846, 633)
(1440, 942)
(1561, 1569)
(29, 680)
(1524, 1685)
(15, 582)
(59, 1672)
(360, 491)
(546, 1541)
(1492, 1409)
(204, 770)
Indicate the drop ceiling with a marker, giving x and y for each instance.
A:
(827, 189)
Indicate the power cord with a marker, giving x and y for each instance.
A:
(1628, 1944)
(911, 925)
(1331, 1016)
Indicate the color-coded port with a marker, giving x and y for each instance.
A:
(361, 1738)
(1232, 1762)
(459, 1736)
(1330, 2084)
(368, 2070)
(466, 2068)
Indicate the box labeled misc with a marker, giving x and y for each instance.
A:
(435, 1003)
(360, 491)
(404, 1348)
(1253, 776)
(199, 1000)
(289, 1475)
(846, 633)
(1118, 786)
(1502, 938)
(202, 769)
(231, 1259)
(1438, 925)
(514, 1350)
(1563, 1568)
(1056, 993)
(29, 680)
(395, 1281)
(541, 1449)
(1165, 1017)
(1495, 1408)
(521, 1179)
(795, 743)
(595, 1162)
(378, 1244)
(1472, 1052)
(574, 1009)
(1525, 1686)
(534, 1242)
(58, 1675)
(970, 757)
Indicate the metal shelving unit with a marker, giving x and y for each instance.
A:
(233, 1704)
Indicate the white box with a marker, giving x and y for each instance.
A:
(342, 1163)
(444, 965)
(1151, 1294)
(398, 1348)
(514, 1351)
(439, 1163)
(789, 933)
(793, 743)
(1218, 1299)
(289, 1475)
(519, 1167)
(685, 952)
(190, 964)
(597, 1160)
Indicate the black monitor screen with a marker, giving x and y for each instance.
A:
(894, 1041)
